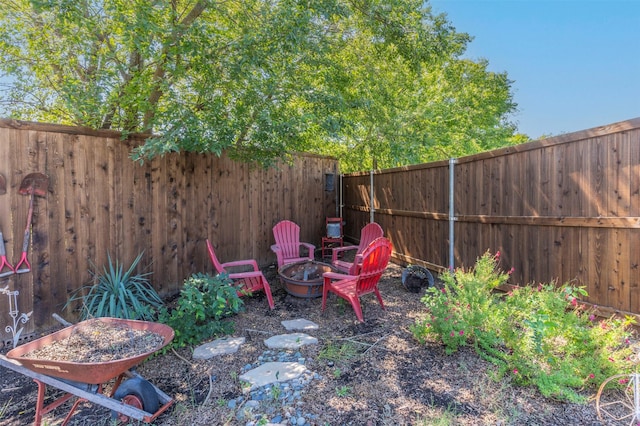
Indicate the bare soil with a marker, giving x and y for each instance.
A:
(386, 378)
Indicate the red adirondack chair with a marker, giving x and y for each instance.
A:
(247, 282)
(351, 287)
(370, 232)
(288, 248)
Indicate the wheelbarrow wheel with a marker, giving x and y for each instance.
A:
(138, 393)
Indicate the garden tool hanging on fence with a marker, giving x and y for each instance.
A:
(33, 184)
(4, 263)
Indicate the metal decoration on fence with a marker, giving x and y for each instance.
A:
(15, 314)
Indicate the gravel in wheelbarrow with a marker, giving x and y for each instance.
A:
(93, 351)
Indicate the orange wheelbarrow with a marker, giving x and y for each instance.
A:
(133, 398)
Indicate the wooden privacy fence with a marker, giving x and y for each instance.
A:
(99, 202)
(563, 209)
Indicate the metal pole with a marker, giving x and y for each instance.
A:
(372, 209)
(636, 395)
(452, 213)
(341, 200)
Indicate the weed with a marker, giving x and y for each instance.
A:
(440, 418)
(335, 352)
(4, 408)
(276, 391)
(337, 373)
(343, 391)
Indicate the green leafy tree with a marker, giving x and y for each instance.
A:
(377, 83)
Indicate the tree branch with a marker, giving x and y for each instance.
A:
(158, 75)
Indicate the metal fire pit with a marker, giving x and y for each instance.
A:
(304, 279)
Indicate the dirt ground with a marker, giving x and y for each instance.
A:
(386, 378)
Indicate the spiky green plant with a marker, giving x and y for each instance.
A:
(119, 293)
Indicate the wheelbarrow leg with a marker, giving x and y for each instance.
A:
(75, 405)
(41, 410)
(72, 410)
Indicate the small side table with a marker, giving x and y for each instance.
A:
(329, 243)
(334, 237)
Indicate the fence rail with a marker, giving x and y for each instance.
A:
(563, 209)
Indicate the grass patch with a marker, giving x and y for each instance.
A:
(337, 352)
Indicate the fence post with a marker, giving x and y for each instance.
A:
(452, 213)
(372, 209)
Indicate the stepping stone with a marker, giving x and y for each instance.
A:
(290, 341)
(299, 324)
(272, 372)
(222, 346)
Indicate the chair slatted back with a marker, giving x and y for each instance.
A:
(287, 236)
(214, 259)
(368, 234)
(375, 260)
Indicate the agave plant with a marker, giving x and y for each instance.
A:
(118, 293)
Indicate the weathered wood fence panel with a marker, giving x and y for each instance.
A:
(566, 208)
(101, 203)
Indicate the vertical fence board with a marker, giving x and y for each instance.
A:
(56, 249)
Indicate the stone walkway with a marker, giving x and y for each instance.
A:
(269, 372)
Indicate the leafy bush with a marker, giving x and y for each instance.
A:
(204, 301)
(536, 335)
(118, 293)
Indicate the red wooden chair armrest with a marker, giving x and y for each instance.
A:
(250, 274)
(309, 247)
(338, 250)
(236, 263)
(334, 276)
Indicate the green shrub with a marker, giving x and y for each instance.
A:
(118, 293)
(204, 302)
(536, 335)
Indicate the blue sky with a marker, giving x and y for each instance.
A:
(575, 64)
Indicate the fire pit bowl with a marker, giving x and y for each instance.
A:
(304, 279)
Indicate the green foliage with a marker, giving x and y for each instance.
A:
(535, 335)
(4, 408)
(204, 302)
(377, 84)
(335, 352)
(337, 373)
(118, 293)
(343, 391)
(276, 392)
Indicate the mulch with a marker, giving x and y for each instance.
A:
(392, 379)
